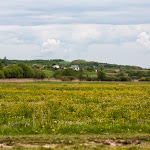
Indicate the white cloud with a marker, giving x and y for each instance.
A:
(51, 45)
(71, 42)
(144, 40)
(55, 46)
(86, 33)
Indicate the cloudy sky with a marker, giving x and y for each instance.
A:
(111, 31)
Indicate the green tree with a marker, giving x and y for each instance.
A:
(1, 66)
(16, 72)
(142, 74)
(39, 74)
(68, 72)
(148, 73)
(121, 74)
(28, 72)
(80, 74)
(7, 72)
(101, 75)
(5, 61)
(2, 76)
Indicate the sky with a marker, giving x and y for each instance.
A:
(108, 31)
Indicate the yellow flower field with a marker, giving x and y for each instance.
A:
(68, 108)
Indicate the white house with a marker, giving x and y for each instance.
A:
(75, 67)
(55, 66)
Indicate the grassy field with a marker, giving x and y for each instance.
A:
(75, 108)
(91, 74)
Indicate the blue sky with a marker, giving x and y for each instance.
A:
(112, 31)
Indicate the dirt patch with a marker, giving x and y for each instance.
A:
(111, 143)
(121, 142)
(4, 145)
(26, 80)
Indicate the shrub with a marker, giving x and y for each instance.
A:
(101, 75)
(125, 78)
(39, 74)
(28, 72)
(2, 76)
(7, 72)
(68, 72)
(1, 66)
(67, 78)
(16, 72)
(145, 79)
(109, 78)
(57, 74)
(117, 79)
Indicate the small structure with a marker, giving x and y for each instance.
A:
(75, 67)
(55, 66)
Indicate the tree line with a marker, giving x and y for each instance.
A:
(63, 63)
(20, 71)
(70, 74)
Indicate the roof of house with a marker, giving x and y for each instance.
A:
(55, 66)
(75, 66)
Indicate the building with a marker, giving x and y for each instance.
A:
(75, 67)
(55, 66)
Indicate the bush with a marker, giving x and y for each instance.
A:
(88, 78)
(7, 72)
(109, 78)
(39, 74)
(67, 78)
(1, 66)
(117, 79)
(2, 76)
(142, 74)
(148, 79)
(145, 79)
(134, 77)
(15, 72)
(68, 72)
(101, 75)
(142, 79)
(125, 78)
(28, 72)
(57, 74)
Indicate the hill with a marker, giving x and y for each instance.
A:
(81, 63)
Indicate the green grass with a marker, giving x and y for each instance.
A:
(90, 74)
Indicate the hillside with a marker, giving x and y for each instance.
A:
(81, 63)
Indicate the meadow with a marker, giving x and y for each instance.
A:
(60, 108)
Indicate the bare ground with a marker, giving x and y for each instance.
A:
(26, 80)
(112, 143)
(75, 141)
